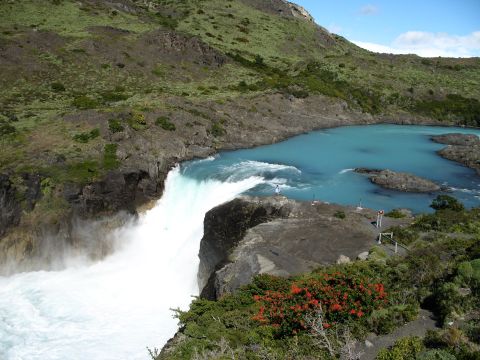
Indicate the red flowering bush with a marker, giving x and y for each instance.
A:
(340, 296)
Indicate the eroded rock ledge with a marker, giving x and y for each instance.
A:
(278, 236)
(399, 181)
(462, 148)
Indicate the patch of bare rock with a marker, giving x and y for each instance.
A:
(399, 181)
(462, 148)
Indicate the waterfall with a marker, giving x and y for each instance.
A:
(115, 308)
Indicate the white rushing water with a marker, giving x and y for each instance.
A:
(115, 308)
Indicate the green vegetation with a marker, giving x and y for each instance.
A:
(404, 349)
(165, 123)
(284, 317)
(445, 202)
(137, 121)
(340, 214)
(84, 102)
(110, 160)
(114, 125)
(86, 137)
(453, 107)
(217, 129)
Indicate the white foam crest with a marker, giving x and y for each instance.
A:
(113, 309)
(344, 171)
(467, 191)
(252, 165)
(248, 168)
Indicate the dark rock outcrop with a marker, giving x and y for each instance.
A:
(462, 148)
(14, 200)
(278, 236)
(10, 209)
(225, 226)
(399, 181)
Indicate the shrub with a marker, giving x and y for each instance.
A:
(137, 121)
(84, 102)
(6, 128)
(340, 214)
(447, 301)
(435, 355)
(217, 129)
(443, 202)
(404, 349)
(115, 126)
(165, 123)
(113, 96)
(384, 321)
(341, 297)
(86, 137)
(58, 87)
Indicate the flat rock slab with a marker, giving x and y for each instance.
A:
(305, 237)
(399, 181)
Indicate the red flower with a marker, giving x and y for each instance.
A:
(295, 289)
(336, 307)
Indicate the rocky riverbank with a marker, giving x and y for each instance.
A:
(462, 148)
(278, 236)
(399, 181)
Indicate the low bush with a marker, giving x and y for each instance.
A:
(113, 96)
(87, 136)
(115, 126)
(217, 129)
(58, 87)
(340, 214)
(84, 102)
(6, 128)
(404, 349)
(137, 121)
(340, 296)
(446, 202)
(384, 321)
(165, 123)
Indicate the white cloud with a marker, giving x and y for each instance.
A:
(369, 10)
(429, 44)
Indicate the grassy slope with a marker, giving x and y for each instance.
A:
(63, 57)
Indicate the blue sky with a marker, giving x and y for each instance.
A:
(424, 27)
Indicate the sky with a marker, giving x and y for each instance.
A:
(427, 28)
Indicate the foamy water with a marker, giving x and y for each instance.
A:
(114, 309)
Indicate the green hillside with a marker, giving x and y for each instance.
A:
(89, 87)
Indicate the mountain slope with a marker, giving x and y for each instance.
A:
(99, 98)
